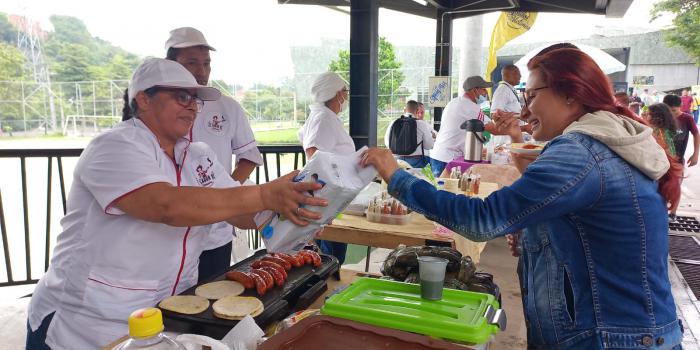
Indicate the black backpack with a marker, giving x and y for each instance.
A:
(403, 136)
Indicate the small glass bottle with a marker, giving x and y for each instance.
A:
(146, 332)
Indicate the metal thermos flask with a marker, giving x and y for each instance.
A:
(474, 140)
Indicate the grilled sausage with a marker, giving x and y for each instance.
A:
(260, 285)
(316, 258)
(284, 263)
(241, 277)
(290, 259)
(275, 266)
(267, 278)
(306, 256)
(279, 279)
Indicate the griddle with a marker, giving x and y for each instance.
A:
(302, 287)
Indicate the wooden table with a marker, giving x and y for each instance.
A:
(357, 230)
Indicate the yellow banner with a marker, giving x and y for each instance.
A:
(509, 26)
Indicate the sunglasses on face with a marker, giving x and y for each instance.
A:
(528, 97)
(184, 98)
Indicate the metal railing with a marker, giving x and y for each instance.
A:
(281, 163)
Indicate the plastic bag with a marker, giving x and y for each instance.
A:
(342, 178)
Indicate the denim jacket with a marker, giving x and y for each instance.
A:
(595, 245)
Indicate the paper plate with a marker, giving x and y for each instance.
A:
(526, 148)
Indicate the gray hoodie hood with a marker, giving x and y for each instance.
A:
(629, 139)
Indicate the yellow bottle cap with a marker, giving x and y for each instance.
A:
(146, 322)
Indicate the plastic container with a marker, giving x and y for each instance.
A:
(432, 276)
(388, 218)
(146, 332)
(461, 316)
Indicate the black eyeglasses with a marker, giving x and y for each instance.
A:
(527, 93)
(184, 98)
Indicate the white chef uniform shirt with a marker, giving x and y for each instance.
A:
(223, 125)
(506, 99)
(324, 130)
(107, 264)
(423, 134)
(449, 143)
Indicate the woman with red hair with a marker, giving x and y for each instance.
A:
(592, 207)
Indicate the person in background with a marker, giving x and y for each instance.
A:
(132, 232)
(420, 115)
(505, 97)
(647, 98)
(686, 126)
(686, 102)
(665, 130)
(424, 137)
(449, 143)
(324, 131)
(695, 108)
(636, 103)
(595, 244)
(222, 125)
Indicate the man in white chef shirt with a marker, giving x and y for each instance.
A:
(223, 125)
(505, 98)
(130, 234)
(449, 143)
(324, 131)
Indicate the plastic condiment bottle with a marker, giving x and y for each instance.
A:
(146, 332)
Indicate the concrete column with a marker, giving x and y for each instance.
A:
(471, 55)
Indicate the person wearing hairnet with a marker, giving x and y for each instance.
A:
(324, 131)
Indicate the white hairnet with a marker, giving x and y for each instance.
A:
(325, 86)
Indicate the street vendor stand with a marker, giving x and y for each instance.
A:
(357, 230)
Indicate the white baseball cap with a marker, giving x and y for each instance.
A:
(166, 73)
(186, 37)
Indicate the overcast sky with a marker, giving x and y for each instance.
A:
(252, 37)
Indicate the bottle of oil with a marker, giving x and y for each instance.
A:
(146, 332)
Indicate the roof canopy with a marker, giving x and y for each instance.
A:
(466, 8)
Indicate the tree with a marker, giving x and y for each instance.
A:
(11, 63)
(390, 75)
(686, 30)
(8, 33)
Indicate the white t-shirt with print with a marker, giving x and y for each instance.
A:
(107, 264)
(223, 125)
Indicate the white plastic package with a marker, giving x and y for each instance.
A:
(342, 178)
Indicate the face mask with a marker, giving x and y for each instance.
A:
(481, 99)
(344, 105)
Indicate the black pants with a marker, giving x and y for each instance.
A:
(214, 262)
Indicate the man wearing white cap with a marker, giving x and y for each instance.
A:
(222, 125)
(132, 232)
(324, 131)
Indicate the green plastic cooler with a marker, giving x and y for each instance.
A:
(466, 317)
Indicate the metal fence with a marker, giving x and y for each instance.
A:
(89, 107)
(33, 191)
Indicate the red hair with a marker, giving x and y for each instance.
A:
(574, 74)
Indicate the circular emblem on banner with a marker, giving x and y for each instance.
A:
(216, 124)
(518, 20)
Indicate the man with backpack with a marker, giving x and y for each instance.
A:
(408, 138)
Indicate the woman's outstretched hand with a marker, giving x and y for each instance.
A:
(288, 198)
(382, 160)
